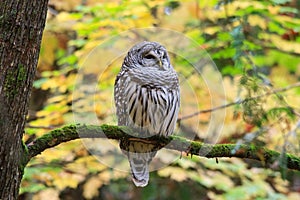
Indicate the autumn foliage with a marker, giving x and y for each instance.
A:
(255, 47)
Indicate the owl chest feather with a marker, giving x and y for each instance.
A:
(148, 105)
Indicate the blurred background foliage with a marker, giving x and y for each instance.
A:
(256, 47)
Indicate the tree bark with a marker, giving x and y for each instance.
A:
(21, 25)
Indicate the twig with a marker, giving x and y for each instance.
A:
(241, 101)
(41, 127)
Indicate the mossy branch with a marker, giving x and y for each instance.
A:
(72, 132)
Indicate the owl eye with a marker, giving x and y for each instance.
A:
(149, 56)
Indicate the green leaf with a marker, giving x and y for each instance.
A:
(231, 70)
(276, 27)
(224, 36)
(78, 43)
(288, 10)
(281, 1)
(71, 60)
(224, 53)
(276, 112)
(30, 131)
(33, 188)
(38, 83)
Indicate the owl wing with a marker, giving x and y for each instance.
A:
(121, 84)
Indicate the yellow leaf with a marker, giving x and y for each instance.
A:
(257, 20)
(64, 179)
(47, 194)
(274, 10)
(174, 173)
(91, 187)
(86, 164)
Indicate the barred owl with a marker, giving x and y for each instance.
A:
(147, 99)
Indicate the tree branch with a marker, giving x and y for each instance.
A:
(72, 132)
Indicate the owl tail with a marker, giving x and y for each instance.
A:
(139, 164)
(139, 155)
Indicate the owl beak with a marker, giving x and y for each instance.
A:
(160, 63)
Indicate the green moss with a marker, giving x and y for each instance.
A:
(8, 85)
(221, 149)
(47, 138)
(21, 73)
(124, 129)
(24, 157)
(25, 149)
(68, 130)
(118, 131)
(195, 145)
(14, 81)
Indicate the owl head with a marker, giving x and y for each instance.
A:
(148, 54)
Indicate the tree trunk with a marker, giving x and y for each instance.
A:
(21, 26)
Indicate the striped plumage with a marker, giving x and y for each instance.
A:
(147, 99)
